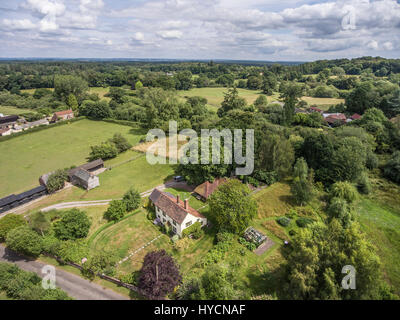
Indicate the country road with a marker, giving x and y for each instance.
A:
(75, 286)
(77, 204)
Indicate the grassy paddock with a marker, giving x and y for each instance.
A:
(27, 157)
(7, 110)
(215, 96)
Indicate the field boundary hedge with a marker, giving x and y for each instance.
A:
(40, 128)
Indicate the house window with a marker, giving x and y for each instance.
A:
(163, 220)
(174, 229)
(188, 224)
(173, 221)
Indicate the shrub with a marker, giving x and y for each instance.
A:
(303, 222)
(120, 142)
(344, 190)
(115, 211)
(132, 199)
(283, 221)
(106, 150)
(73, 250)
(73, 225)
(292, 232)
(363, 184)
(25, 241)
(224, 237)
(268, 177)
(195, 228)
(102, 262)
(56, 181)
(10, 222)
(392, 167)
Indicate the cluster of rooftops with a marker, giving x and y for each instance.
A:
(14, 123)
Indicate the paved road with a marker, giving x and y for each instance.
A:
(77, 204)
(75, 286)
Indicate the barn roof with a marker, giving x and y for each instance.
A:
(8, 119)
(87, 166)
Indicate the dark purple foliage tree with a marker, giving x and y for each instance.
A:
(159, 275)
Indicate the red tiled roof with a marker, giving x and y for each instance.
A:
(169, 204)
(63, 113)
(4, 130)
(316, 109)
(355, 116)
(207, 188)
(334, 118)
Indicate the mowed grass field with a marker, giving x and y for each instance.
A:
(215, 96)
(99, 90)
(7, 110)
(25, 158)
(323, 103)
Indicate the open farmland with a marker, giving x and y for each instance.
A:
(215, 96)
(25, 158)
(7, 110)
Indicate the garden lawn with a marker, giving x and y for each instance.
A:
(382, 226)
(25, 158)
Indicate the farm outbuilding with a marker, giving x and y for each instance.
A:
(13, 201)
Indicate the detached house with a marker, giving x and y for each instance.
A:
(172, 211)
(62, 115)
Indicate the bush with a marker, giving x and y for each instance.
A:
(120, 142)
(73, 250)
(73, 225)
(56, 181)
(283, 221)
(25, 241)
(115, 211)
(132, 199)
(102, 262)
(10, 222)
(224, 237)
(194, 229)
(303, 222)
(392, 168)
(23, 285)
(363, 184)
(268, 177)
(344, 190)
(292, 232)
(106, 150)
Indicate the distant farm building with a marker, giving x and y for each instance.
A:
(62, 115)
(172, 211)
(206, 189)
(5, 132)
(13, 201)
(8, 121)
(315, 109)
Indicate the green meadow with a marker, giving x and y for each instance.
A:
(25, 158)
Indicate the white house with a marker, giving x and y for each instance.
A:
(175, 212)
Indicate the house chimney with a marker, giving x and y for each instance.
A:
(186, 204)
(177, 199)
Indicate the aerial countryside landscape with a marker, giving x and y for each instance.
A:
(199, 150)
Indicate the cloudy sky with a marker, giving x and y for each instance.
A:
(295, 30)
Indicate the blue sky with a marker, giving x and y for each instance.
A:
(200, 29)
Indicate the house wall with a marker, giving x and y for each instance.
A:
(93, 182)
(189, 220)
